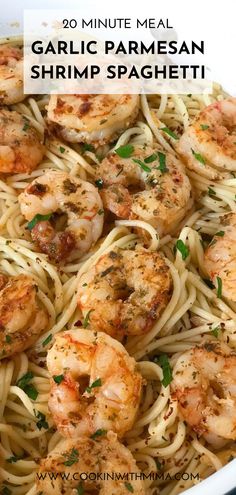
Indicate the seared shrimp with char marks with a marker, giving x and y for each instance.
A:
(102, 456)
(96, 119)
(125, 292)
(21, 147)
(65, 214)
(149, 185)
(21, 318)
(94, 384)
(204, 383)
(220, 257)
(11, 75)
(209, 143)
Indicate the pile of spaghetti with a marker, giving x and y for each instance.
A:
(122, 227)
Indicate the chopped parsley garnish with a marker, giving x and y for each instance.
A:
(125, 151)
(215, 331)
(14, 459)
(87, 147)
(96, 383)
(25, 379)
(158, 464)
(26, 126)
(58, 379)
(71, 457)
(129, 487)
(169, 132)
(6, 491)
(103, 121)
(99, 157)
(62, 150)
(219, 287)
(99, 183)
(199, 157)
(80, 489)
(142, 165)
(42, 423)
(38, 218)
(8, 339)
(31, 391)
(204, 127)
(26, 386)
(220, 233)
(211, 191)
(98, 433)
(151, 158)
(100, 212)
(182, 248)
(163, 361)
(47, 340)
(86, 320)
(162, 161)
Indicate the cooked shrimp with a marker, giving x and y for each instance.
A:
(204, 382)
(11, 75)
(220, 257)
(21, 318)
(75, 210)
(148, 185)
(209, 143)
(96, 119)
(125, 292)
(21, 149)
(94, 384)
(104, 457)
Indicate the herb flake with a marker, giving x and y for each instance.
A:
(162, 161)
(86, 319)
(95, 384)
(169, 132)
(125, 151)
(99, 183)
(163, 361)
(219, 287)
(47, 340)
(26, 386)
(42, 423)
(38, 218)
(151, 158)
(98, 433)
(58, 379)
(199, 157)
(80, 489)
(129, 487)
(87, 147)
(215, 331)
(142, 165)
(182, 248)
(71, 457)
